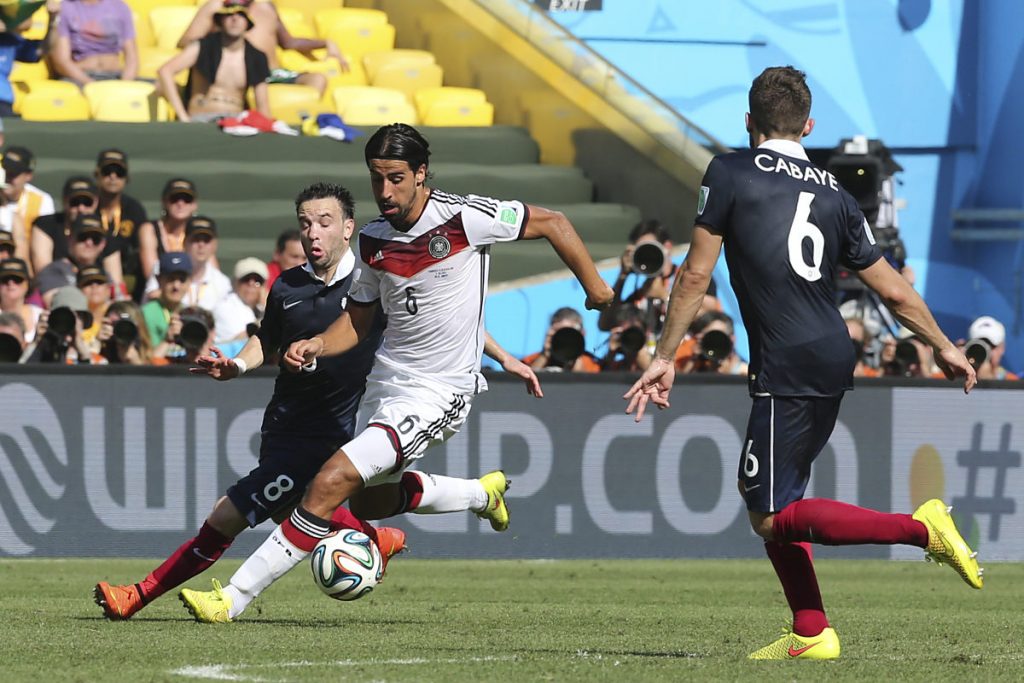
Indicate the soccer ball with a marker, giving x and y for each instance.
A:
(346, 565)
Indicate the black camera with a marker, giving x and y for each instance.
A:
(906, 362)
(10, 348)
(566, 346)
(715, 347)
(977, 352)
(194, 333)
(61, 322)
(648, 258)
(126, 332)
(632, 339)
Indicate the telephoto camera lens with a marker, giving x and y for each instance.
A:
(715, 346)
(566, 346)
(125, 331)
(62, 322)
(648, 258)
(194, 333)
(977, 351)
(632, 339)
(10, 349)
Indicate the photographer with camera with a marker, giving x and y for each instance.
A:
(196, 335)
(14, 283)
(648, 256)
(985, 346)
(59, 336)
(124, 337)
(12, 337)
(627, 344)
(714, 347)
(863, 342)
(161, 313)
(564, 346)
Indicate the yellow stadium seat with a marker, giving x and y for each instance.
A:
(48, 87)
(346, 95)
(121, 101)
(309, 7)
(356, 41)
(145, 6)
(372, 61)
(292, 103)
(29, 71)
(408, 77)
(460, 114)
(378, 113)
(296, 22)
(169, 23)
(152, 58)
(143, 31)
(327, 20)
(50, 106)
(40, 20)
(424, 98)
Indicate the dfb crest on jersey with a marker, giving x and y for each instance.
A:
(439, 246)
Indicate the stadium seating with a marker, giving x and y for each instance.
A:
(372, 61)
(379, 113)
(424, 98)
(292, 103)
(29, 71)
(169, 23)
(152, 58)
(408, 78)
(448, 113)
(356, 41)
(40, 20)
(308, 7)
(296, 22)
(327, 20)
(347, 95)
(329, 67)
(48, 105)
(121, 101)
(143, 31)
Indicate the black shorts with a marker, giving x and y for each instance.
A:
(784, 436)
(287, 464)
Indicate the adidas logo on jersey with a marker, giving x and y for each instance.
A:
(379, 256)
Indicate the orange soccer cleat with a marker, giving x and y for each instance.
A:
(390, 542)
(118, 602)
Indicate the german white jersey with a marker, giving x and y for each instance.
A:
(432, 283)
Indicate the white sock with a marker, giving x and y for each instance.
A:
(272, 560)
(449, 494)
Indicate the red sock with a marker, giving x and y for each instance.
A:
(412, 490)
(193, 558)
(344, 519)
(794, 565)
(830, 522)
(304, 530)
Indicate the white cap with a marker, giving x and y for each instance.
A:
(251, 266)
(987, 327)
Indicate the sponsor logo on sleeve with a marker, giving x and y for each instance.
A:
(509, 216)
(702, 198)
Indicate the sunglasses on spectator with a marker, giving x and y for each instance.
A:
(184, 198)
(6, 280)
(112, 169)
(79, 202)
(90, 237)
(253, 280)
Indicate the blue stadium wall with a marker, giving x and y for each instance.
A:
(938, 81)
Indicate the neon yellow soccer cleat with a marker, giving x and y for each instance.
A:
(946, 545)
(825, 645)
(208, 607)
(496, 512)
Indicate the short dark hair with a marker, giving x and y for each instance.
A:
(650, 227)
(706, 319)
(567, 313)
(289, 235)
(401, 142)
(322, 190)
(780, 101)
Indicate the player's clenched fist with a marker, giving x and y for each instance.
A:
(303, 352)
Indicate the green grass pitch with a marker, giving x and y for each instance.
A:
(582, 620)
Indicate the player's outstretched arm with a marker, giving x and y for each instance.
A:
(220, 368)
(911, 310)
(349, 329)
(513, 365)
(556, 229)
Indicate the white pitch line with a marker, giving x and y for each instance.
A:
(227, 672)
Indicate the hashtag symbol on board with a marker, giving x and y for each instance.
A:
(974, 460)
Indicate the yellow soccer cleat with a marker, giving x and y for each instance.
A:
(495, 484)
(825, 645)
(945, 544)
(208, 607)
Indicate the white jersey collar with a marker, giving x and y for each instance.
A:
(345, 266)
(787, 147)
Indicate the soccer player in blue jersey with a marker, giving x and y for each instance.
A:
(786, 225)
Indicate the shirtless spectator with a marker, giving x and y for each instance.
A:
(268, 35)
(95, 42)
(222, 67)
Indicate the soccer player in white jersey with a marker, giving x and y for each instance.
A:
(424, 262)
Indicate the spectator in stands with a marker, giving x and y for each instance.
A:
(124, 335)
(121, 216)
(167, 233)
(7, 245)
(564, 346)
(715, 348)
(12, 338)
(649, 256)
(15, 48)
(208, 286)
(10, 221)
(161, 314)
(196, 336)
(862, 343)
(94, 284)
(629, 346)
(86, 242)
(288, 253)
(268, 34)
(49, 233)
(29, 201)
(14, 282)
(95, 42)
(985, 347)
(213, 92)
(59, 335)
(237, 316)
